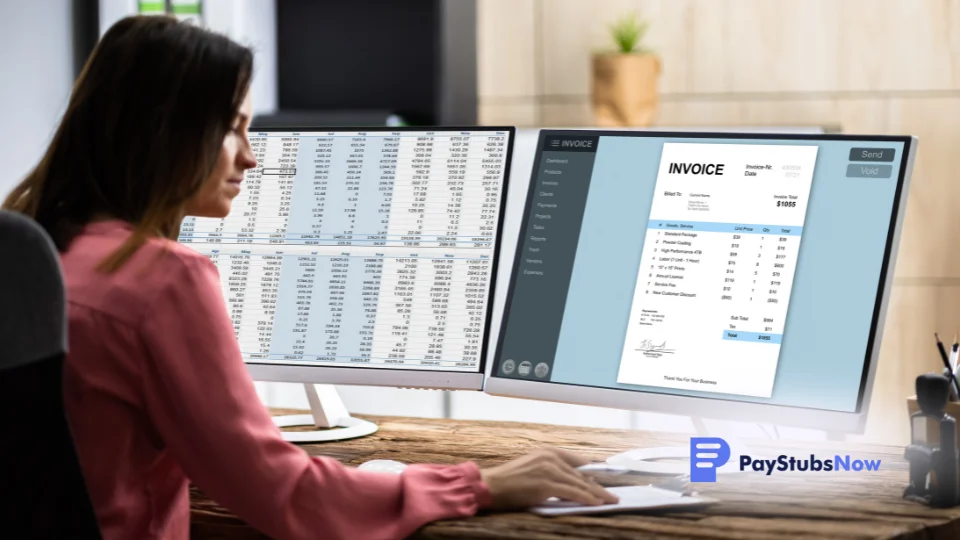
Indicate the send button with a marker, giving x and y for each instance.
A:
(872, 154)
(866, 170)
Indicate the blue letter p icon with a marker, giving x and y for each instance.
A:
(706, 454)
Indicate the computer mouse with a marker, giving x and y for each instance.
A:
(383, 465)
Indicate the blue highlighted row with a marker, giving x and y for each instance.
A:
(754, 337)
(733, 228)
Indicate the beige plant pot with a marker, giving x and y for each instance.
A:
(625, 89)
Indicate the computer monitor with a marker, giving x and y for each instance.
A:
(732, 276)
(363, 257)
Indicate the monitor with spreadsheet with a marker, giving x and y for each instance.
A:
(733, 276)
(363, 257)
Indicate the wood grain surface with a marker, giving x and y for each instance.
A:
(844, 505)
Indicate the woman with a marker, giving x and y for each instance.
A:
(155, 386)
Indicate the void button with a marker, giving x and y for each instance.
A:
(866, 170)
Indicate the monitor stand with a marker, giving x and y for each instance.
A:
(675, 460)
(328, 414)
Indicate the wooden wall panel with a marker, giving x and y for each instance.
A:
(760, 46)
(505, 48)
(569, 31)
(867, 115)
(931, 230)
(690, 112)
(522, 113)
(889, 45)
(577, 113)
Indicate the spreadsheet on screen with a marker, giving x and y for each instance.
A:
(369, 249)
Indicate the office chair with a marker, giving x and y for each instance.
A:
(44, 493)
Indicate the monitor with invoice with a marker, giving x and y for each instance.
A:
(731, 276)
(363, 256)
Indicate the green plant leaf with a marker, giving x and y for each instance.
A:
(628, 32)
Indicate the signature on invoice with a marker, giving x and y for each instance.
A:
(649, 345)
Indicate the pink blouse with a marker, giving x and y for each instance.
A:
(157, 393)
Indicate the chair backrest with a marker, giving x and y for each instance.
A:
(44, 494)
(33, 313)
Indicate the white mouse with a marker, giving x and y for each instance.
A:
(383, 465)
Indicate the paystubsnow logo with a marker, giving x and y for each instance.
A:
(707, 454)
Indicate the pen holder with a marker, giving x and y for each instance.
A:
(931, 429)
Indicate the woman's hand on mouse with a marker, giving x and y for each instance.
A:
(535, 477)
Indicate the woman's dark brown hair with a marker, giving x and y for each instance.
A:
(141, 132)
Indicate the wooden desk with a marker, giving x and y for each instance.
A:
(814, 505)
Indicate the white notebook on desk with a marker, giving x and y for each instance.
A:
(631, 498)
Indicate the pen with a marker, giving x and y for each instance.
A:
(952, 394)
(953, 355)
(956, 364)
(946, 363)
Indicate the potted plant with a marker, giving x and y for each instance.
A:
(625, 81)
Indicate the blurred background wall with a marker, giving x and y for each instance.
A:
(866, 66)
(857, 66)
(32, 34)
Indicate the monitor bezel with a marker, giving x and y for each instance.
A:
(403, 378)
(718, 407)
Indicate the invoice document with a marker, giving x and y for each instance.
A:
(721, 248)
